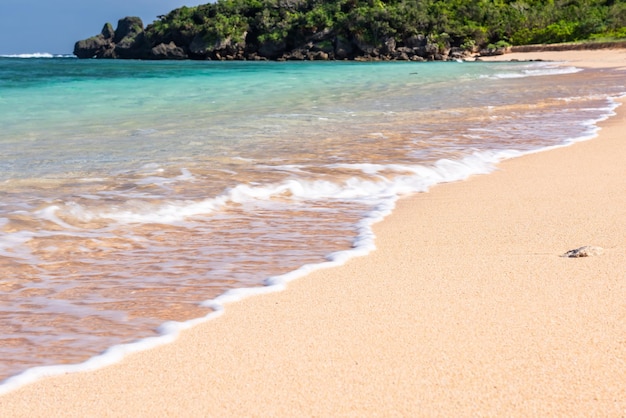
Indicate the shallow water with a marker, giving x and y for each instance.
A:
(133, 191)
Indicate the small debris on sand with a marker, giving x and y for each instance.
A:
(586, 251)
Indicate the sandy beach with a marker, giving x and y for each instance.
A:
(466, 308)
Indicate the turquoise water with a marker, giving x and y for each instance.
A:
(134, 191)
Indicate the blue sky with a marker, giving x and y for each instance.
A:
(53, 26)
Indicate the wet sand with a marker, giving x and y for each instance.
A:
(466, 308)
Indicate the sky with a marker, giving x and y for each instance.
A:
(53, 26)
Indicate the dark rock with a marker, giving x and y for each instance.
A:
(127, 41)
(319, 56)
(389, 46)
(402, 56)
(130, 39)
(96, 46)
(324, 46)
(128, 27)
(459, 53)
(420, 51)
(203, 48)
(200, 47)
(224, 45)
(107, 31)
(253, 56)
(168, 52)
(405, 49)
(364, 46)
(415, 41)
(299, 54)
(133, 47)
(430, 51)
(108, 53)
(272, 49)
(344, 49)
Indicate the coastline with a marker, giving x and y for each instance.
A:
(474, 313)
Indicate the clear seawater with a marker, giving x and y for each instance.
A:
(133, 191)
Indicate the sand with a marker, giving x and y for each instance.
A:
(466, 308)
(598, 58)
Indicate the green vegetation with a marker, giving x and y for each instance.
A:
(461, 22)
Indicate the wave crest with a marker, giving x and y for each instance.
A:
(37, 55)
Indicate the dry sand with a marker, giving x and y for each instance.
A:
(464, 309)
(598, 58)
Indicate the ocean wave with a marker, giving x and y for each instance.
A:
(37, 55)
(370, 182)
(385, 192)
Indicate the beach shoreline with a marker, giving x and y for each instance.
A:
(465, 308)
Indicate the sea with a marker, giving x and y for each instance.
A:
(138, 197)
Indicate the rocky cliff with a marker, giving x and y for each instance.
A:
(128, 41)
(354, 29)
(131, 41)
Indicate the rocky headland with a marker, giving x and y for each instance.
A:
(130, 40)
(408, 30)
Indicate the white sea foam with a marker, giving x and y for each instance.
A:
(164, 181)
(535, 72)
(385, 192)
(12, 244)
(407, 179)
(37, 55)
(50, 214)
